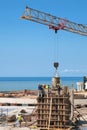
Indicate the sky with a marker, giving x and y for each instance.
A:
(29, 49)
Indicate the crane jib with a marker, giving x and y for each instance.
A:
(53, 22)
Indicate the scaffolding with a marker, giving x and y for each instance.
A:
(53, 109)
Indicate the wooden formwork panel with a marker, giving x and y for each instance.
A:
(56, 111)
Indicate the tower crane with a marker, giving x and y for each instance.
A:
(53, 22)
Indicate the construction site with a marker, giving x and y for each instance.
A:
(56, 108)
(53, 107)
(51, 110)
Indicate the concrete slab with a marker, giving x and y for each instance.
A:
(11, 128)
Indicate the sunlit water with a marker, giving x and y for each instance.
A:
(31, 83)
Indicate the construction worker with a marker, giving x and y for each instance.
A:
(59, 88)
(47, 86)
(19, 119)
(40, 90)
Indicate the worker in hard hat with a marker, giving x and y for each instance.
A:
(19, 119)
(46, 86)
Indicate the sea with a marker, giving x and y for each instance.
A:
(31, 83)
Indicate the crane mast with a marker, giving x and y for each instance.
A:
(53, 22)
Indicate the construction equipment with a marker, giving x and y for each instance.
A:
(54, 108)
(53, 22)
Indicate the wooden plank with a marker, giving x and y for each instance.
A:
(50, 112)
(55, 129)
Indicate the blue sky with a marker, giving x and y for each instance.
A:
(30, 49)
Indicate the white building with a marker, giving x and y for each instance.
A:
(80, 86)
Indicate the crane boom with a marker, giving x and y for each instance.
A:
(53, 22)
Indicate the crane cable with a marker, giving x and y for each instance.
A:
(56, 48)
(56, 54)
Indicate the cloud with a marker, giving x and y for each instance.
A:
(70, 71)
